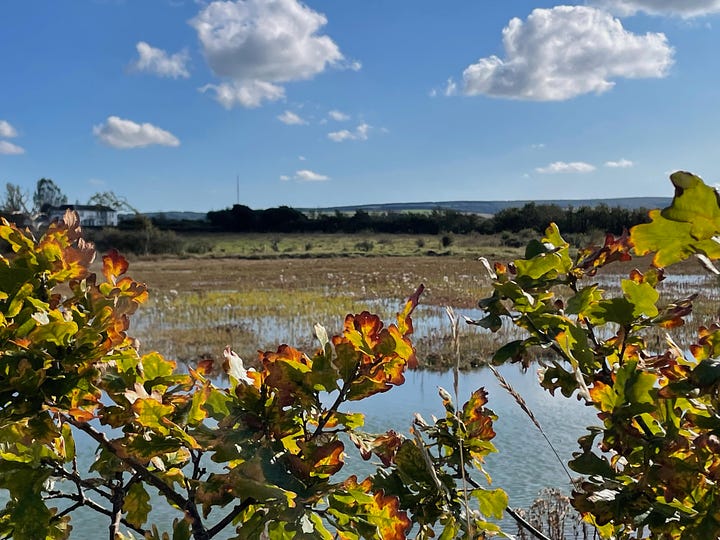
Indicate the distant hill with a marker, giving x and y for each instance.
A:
(493, 207)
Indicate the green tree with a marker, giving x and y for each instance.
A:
(47, 194)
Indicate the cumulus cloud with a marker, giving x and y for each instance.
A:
(305, 175)
(120, 133)
(253, 45)
(10, 149)
(564, 167)
(563, 52)
(158, 62)
(620, 164)
(682, 8)
(360, 133)
(7, 130)
(291, 119)
(338, 116)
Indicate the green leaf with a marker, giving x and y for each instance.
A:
(694, 203)
(588, 463)
(154, 366)
(686, 227)
(492, 503)
(136, 505)
(642, 296)
(217, 403)
(30, 516)
(57, 332)
(151, 413)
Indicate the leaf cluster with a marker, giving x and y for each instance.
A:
(651, 468)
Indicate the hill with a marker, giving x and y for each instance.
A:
(493, 207)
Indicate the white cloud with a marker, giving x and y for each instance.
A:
(249, 94)
(338, 116)
(158, 62)
(537, 146)
(120, 133)
(7, 130)
(10, 149)
(306, 175)
(291, 119)
(563, 52)
(679, 8)
(284, 177)
(302, 158)
(359, 134)
(620, 164)
(563, 167)
(256, 44)
(340, 136)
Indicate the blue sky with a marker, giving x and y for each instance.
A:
(327, 102)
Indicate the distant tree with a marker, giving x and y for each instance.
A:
(47, 194)
(112, 200)
(15, 199)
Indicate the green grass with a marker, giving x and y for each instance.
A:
(265, 245)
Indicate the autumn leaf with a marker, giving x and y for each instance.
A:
(404, 322)
(114, 266)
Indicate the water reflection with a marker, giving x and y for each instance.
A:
(524, 463)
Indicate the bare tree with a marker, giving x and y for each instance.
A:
(111, 199)
(15, 199)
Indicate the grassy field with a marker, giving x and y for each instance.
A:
(200, 304)
(257, 245)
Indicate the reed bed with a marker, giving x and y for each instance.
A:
(197, 307)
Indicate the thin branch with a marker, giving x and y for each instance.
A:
(224, 522)
(84, 501)
(199, 531)
(75, 478)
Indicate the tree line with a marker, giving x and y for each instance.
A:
(533, 216)
(284, 219)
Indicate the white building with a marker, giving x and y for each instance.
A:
(91, 215)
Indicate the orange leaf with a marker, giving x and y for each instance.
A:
(81, 415)
(114, 265)
(404, 322)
